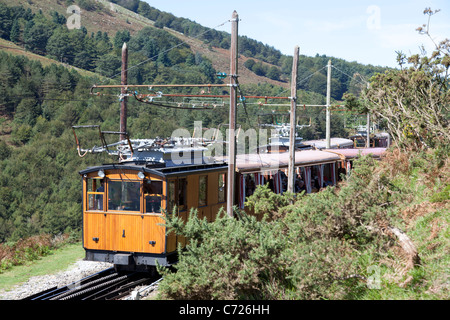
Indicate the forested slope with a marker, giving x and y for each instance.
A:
(41, 98)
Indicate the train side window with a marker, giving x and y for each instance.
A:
(124, 195)
(152, 196)
(222, 188)
(171, 196)
(176, 194)
(250, 185)
(95, 194)
(182, 186)
(203, 191)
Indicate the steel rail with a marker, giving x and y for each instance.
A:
(101, 285)
(54, 291)
(119, 292)
(70, 292)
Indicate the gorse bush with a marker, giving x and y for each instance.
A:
(330, 231)
(226, 259)
(334, 244)
(298, 251)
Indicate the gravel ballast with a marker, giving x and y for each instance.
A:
(75, 272)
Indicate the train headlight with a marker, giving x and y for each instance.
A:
(101, 173)
(141, 175)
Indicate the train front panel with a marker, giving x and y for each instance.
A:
(123, 216)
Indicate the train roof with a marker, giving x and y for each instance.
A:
(354, 153)
(334, 143)
(272, 161)
(158, 171)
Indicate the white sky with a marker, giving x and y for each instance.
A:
(369, 32)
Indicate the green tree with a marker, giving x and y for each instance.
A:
(414, 101)
(5, 150)
(15, 31)
(259, 69)
(108, 65)
(318, 83)
(249, 64)
(121, 37)
(274, 73)
(60, 46)
(58, 18)
(22, 133)
(36, 37)
(144, 9)
(6, 20)
(27, 111)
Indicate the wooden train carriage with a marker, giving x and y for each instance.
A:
(314, 170)
(377, 140)
(124, 206)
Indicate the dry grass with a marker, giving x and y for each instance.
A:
(28, 249)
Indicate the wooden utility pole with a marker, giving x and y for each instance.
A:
(293, 124)
(328, 119)
(233, 103)
(123, 91)
(368, 126)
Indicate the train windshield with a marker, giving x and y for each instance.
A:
(124, 195)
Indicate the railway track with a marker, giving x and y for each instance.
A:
(104, 285)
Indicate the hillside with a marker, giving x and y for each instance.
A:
(109, 17)
(14, 49)
(267, 65)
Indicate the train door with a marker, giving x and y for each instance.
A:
(176, 200)
(124, 225)
(94, 204)
(153, 203)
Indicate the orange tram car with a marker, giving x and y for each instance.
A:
(124, 203)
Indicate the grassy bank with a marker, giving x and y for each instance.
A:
(57, 260)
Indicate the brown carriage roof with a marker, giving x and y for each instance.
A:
(272, 161)
(354, 152)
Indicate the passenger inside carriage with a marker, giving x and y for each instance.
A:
(299, 184)
(249, 185)
(270, 182)
(152, 204)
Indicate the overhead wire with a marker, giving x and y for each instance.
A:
(343, 72)
(167, 105)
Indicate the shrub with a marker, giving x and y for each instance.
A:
(28, 249)
(323, 246)
(227, 259)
